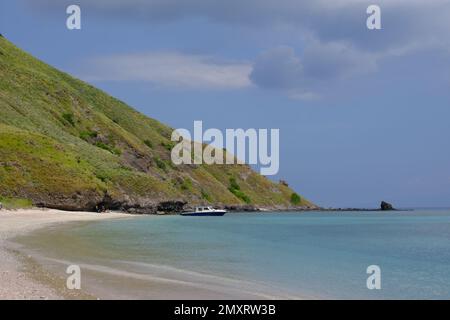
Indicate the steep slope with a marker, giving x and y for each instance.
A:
(65, 144)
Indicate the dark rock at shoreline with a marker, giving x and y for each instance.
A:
(241, 208)
(100, 203)
(385, 206)
(171, 206)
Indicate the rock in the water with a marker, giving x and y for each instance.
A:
(386, 206)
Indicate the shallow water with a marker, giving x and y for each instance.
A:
(280, 255)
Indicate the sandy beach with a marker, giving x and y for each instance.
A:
(17, 273)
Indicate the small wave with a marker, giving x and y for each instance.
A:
(153, 273)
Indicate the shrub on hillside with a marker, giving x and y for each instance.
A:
(69, 118)
(295, 199)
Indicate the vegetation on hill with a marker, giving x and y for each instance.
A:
(65, 144)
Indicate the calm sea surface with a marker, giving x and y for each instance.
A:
(317, 255)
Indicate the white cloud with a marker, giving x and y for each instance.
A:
(170, 69)
(301, 76)
(336, 42)
(337, 60)
(278, 68)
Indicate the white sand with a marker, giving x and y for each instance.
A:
(15, 283)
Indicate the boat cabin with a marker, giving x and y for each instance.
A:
(202, 209)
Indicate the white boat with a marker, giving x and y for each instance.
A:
(204, 212)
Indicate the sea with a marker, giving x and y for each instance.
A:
(282, 255)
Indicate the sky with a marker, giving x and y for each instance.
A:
(364, 115)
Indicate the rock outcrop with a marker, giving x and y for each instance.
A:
(385, 206)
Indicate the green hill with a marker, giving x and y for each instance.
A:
(65, 144)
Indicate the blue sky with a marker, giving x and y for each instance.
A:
(363, 115)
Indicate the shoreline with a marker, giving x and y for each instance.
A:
(27, 275)
(20, 275)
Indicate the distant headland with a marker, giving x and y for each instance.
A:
(67, 145)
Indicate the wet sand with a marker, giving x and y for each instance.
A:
(20, 276)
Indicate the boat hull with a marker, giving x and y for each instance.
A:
(204, 214)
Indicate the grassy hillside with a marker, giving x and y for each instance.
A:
(66, 144)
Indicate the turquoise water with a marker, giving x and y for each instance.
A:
(317, 255)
